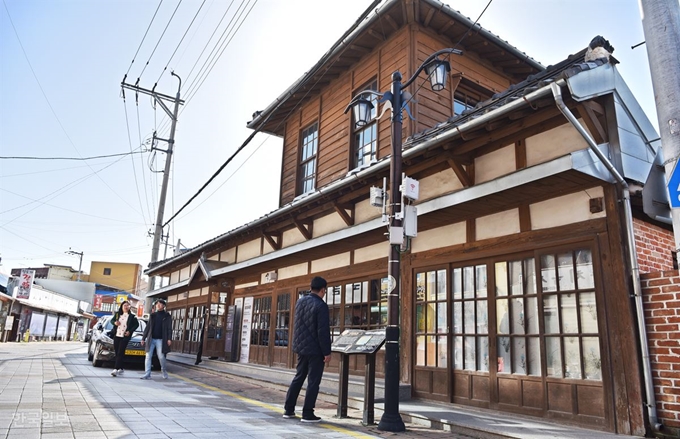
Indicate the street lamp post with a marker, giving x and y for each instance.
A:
(437, 70)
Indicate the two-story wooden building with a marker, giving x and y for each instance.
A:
(516, 293)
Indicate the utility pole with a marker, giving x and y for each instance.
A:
(80, 264)
(661, 24)
(160, 99)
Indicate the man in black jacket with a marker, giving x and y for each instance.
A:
(312, 343)
(157, 336)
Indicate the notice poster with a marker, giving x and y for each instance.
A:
(245, 329)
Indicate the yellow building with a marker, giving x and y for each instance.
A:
(120, 275)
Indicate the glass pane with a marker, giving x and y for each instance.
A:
(349, 294)
(529, 276)
(502, 316)
(458, 352)
(501, 279)
(533, 356)
(483, 353)
(565, 271)
(517, 316)
(591, 358)
(568, 309)
(442, 352)
(431, 351)
(457, 283)
(548, 276)
(515, 278)
(572, 358)
(584, 269)
(469, 316)
(441, 285)
(431, 318)
(503, 351)
(482, 317)
(531, 315)
(457, 317)
(442, 326)
(588, 311)
(420, 350)
(519, 359)
(552, 321)
(470, 354)
(468, 282)
(431, 285)
(553, 357)
(364, 292)
(481, 280)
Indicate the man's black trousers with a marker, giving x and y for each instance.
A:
(309, 367)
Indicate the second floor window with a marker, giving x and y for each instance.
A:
(308, 148)
(366, 137)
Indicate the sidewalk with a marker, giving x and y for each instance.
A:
(484, 424)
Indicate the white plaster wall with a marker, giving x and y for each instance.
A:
(498, 224)
(292, 237)
(293, 271)
(205, 291)
(567, 209)
(440, 237)
(372, 252)
(554, 143)
(335, 261)
(184, 273)
(174, 277)
(363, 211)
(194, 293)
(495, 164)
(443, 182)
(247, 285)
(172, 298)
(249, 250)
(228, 255)
(327, 224)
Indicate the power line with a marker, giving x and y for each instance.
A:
(159, 41)
(70, 158)
(134, 170)
(180, 41)
(144, 37)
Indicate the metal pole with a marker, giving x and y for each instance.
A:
(80, 264)
(661, 24)
(158, 232)
(391, 419)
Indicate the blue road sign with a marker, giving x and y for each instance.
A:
(674, 187)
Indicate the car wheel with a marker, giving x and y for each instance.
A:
(89, 352)
(96, 362)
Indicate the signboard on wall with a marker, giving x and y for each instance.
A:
(25, 284)
(245, 329)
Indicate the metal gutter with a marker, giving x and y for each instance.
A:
(632, 255)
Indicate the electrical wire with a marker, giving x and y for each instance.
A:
(143, 38)
(122, 154)
(180, 41)
(159, 40)
(134, 170)
(139, 136)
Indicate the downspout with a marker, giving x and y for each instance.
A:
(632, 254)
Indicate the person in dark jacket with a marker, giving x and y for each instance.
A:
(199, 354)
(312, 343)
(157, 335)
(124, 325)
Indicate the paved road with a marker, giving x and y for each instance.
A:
(49, 390)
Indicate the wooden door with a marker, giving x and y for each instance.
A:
(260, 333)
(214, 336)
(281, 352)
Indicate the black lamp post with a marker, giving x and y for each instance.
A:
(437, 70)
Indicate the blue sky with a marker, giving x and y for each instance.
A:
(79, 51)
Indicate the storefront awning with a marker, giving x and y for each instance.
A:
(27, 302)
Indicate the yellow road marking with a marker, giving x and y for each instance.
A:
(271, 407)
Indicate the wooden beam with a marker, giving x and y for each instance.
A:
(273, 238)
(428, 18)
(393, 24)
(346, 212)
(520, 154)
(461, 173)
(596, 129)
(446, 27)
(305, 227)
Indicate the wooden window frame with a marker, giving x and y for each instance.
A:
(304, 160)
(358, 145)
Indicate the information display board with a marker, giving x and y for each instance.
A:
(358, 341)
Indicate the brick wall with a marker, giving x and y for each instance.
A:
(654, 247)
(661, 295)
